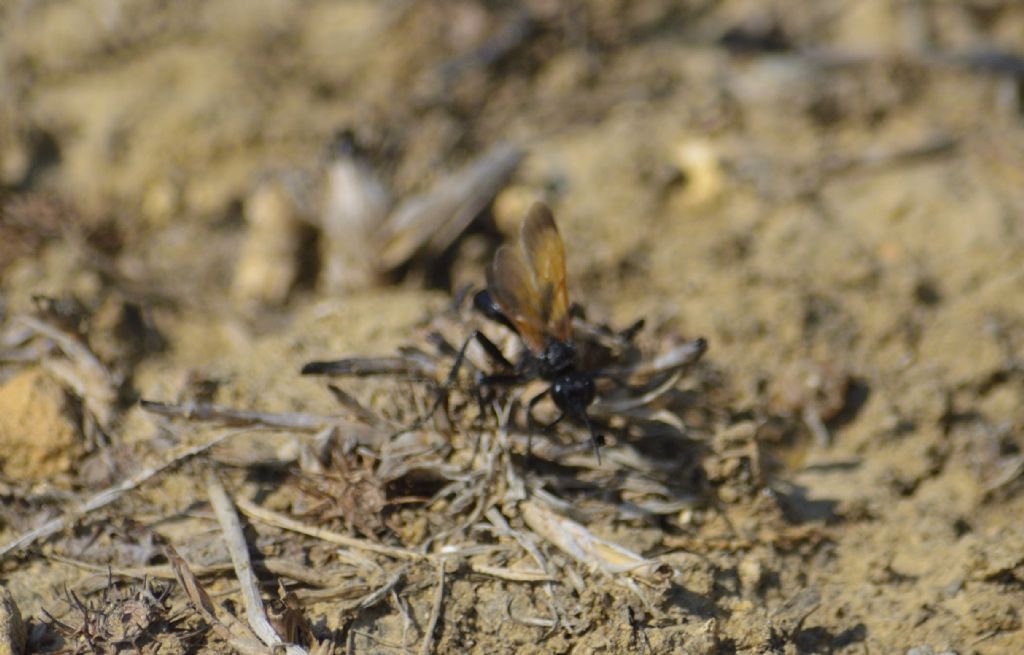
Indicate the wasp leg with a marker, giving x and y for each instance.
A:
(484, 303)
(442, 394)
(492, 350)
(496, 357)
(595, 438)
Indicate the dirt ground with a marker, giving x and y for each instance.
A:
(830, 193)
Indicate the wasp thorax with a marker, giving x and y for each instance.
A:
(556, 358)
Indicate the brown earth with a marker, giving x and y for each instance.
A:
(829, 192)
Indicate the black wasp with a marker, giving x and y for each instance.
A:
(527, 293)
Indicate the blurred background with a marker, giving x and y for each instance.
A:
(830, 192)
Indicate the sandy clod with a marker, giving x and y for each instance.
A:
(39, 436)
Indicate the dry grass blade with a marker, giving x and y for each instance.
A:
(658, 375)
(254, 511)
(13, 634)
(502, 527)
(200, 600)
(432, 221)
(512, 575)
(791, 615)
(1011, 469)
(364, 414)
(435, 612)
(108, 496)
(375, 596)
(398, 366)
(239, 551)
(679, 357)
(355, 204)
(576, 541)
(237, 417)
(278, 567)
(612, 406)
(191, 585)
(25, 355)
(86, 374)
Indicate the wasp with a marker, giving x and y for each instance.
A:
(527, 293)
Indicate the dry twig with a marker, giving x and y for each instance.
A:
(278, 567)
(193, 411)
(108, 496)
(89, 377)
(239, 551)
(512, 575)
(579, 543)
(435, 612)
(254, 511)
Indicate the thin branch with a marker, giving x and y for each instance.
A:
(279, 567)
(94, 382)
(375, 596)
(365, 415)
(512, 575)
(394, 366)
(238, 417)
(108, 496)
(269, 517)
(435, 612)
(239, 551)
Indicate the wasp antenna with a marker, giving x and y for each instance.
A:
(595, 438)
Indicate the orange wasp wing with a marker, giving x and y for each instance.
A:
(545, 256)
(512, 286)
